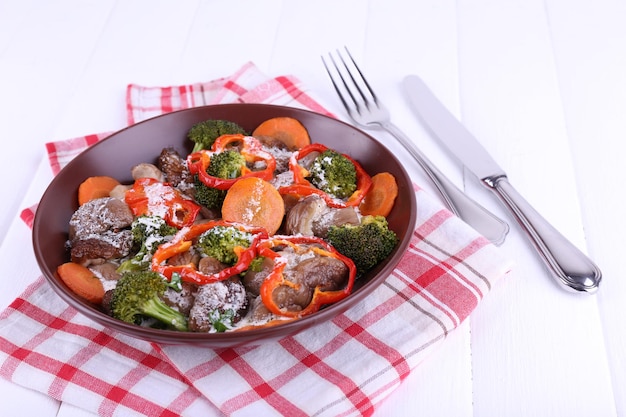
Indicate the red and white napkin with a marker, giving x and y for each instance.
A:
(344, 367)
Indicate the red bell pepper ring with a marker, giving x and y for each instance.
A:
(149, 196)
(252, 151)
(303, 187)
(276, 277)
(183, 241)
(301, 190)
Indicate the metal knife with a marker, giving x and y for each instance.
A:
(569, 266)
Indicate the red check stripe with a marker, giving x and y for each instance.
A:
(69, 369)
(360, 333)
(66, 373)
(60, 153)
(305, 100)
(260, 389)
(235, 88)
(315, 361)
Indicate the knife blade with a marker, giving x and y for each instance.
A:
(570, 267)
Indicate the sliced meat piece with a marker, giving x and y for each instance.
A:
(182, 300)
(174, 167)
(218, 304)
(100, 248)
(98, 216)
(99, 231)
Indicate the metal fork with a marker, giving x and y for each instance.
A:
(366, 110)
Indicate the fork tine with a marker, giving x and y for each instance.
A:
(358, 83)
(357, 105)
(345, 84)
(337, 89)
(369, 88)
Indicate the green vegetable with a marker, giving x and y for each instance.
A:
(333, 173)
(220, 242)
(138, 295)
(176, 282)
(203, 134)
(206, 196)
(227, 165)
(257, 264)
(222, 321)
(367, 243)
(148, 233)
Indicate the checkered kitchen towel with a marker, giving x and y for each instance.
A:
(47, 346)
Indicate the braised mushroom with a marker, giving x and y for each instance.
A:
(145, 170)
(312, 217)
(326, 273)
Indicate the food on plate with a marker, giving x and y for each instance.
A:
(181, 258)
(230, 159)
(82, 281)
(204, 133)
(98, 231)
(327, 175)
(255, 202)
(148, 233)
(149, 196)
(366, 243)
(245, 232)
(381, 196)
(320, 276)
(96, 187)
(287, 130)
(139, 294)
(333, 173)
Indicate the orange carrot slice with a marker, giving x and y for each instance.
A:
(381, 197)
(95, 187)
(254, 202)
(285, 129)
(81, 281)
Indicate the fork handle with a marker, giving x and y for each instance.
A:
(475, 215)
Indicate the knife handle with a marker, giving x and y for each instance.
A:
(570, 267)
(475, 215)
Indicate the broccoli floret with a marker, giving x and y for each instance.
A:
(206, 196)
(367, 243)
(333, 173)
(138, 295)
(228, 165)
(148, 233)
(220, 242)
(257, 264)
(203, 134)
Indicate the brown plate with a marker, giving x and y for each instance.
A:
(143, 142)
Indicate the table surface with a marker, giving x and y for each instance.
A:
(541, 83)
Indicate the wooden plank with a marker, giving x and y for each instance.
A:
(588, 42)
(40, 60)
(510, 93)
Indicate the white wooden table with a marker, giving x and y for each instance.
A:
(542, 83)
